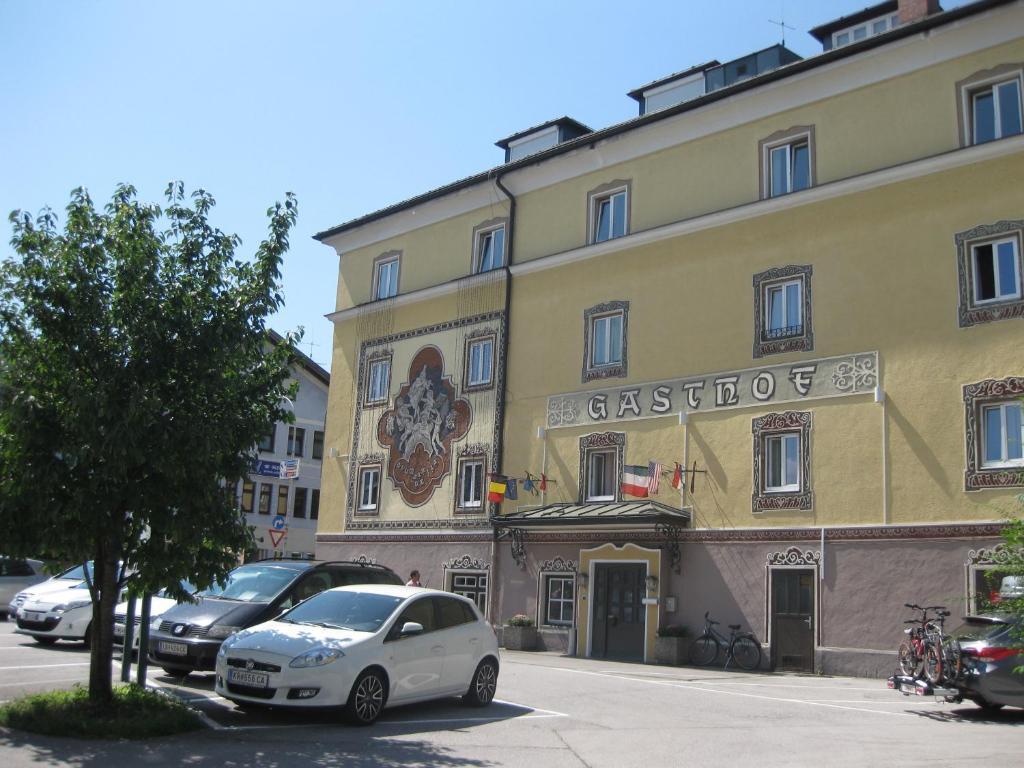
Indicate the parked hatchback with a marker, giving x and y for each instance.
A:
(986, 646)
(17, 574)
(363, 648)
(186, 638)
(65, 580)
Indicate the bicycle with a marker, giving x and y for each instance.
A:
(928, 649)
(741, 647)
(911, 652)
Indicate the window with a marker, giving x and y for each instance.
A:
(782, 462)
(421, 612)
(369, 488)
(490, 249)
(385, 275)
(471, 484)
(608, 216)
(787, 161)
(782, 310)
(296, 440)
(318, 444)
(282, 500)
(299, 503)
(453, 612)
(604, 335)
(378, 380)
(1002, 435)
(248, 489)
(479, 362)
(601, 459)
(601, 476)
(864, 30)
(993, 433)
(266, 443)
(995, 111)
(989, 272)
(559, 599)
(314, 504)
(265, 490)
(471, 585)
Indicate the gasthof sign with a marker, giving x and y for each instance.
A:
(766, 385)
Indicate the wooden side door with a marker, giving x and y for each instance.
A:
(619, 613)
(793, 593)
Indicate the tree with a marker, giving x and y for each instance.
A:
(1013, 534)
(135, 380)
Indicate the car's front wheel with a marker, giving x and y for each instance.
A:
(483, 685)
(367, 699)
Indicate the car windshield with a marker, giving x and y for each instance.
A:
(75, 574)
(973, 630)
(361, 611)
(252, 583)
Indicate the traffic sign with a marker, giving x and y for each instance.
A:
(276, 537)
(277, 523)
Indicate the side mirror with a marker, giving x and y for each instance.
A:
(411, 628)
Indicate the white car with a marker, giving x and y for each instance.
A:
(158, 605)
(363, 647)
(72, 577)
(16, 575)
(64, 614)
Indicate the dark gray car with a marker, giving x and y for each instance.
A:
(989, 657)
(187, 637)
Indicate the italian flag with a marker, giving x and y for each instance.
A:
(635, 480)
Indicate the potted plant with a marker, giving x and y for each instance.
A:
(671, 645)
(520, 634)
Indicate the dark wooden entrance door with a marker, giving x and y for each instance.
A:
(619, 611)
(793, 619)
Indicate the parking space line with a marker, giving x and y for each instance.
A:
(39, 682)
(48, 666)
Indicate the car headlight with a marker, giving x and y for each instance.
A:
(218, 631)
(228, 643)
(154, 624)
(318, 657)
(71, 606)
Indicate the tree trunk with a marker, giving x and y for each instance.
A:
(105, 578)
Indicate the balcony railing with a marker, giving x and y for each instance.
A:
(771, 334)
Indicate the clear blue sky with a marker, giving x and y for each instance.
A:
(351, 105)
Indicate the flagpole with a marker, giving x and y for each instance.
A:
(543, 435)
(684, 421)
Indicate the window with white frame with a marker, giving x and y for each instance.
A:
(559, 599)
(472, 585)
(602, 474)
(990, 272)
(783, 308)
(385, 276)
(471, 484)
(369, 488)
(996, 267)
(378, 380)
(996, 110)
(864, 30)
(490, 249)
(782, 462)
(606, 339)
(1002, 435)
(479, 362)
(789, 167)
(605, 333)
(782, 459)
(609, 215)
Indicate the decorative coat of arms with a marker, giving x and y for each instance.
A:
(419, 430)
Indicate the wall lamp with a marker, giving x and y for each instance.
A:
(652, 582)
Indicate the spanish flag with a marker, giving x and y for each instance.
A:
(496, 488)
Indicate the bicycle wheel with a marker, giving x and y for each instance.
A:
(746, 652)
(909, 661)
(703, 650)
(933, 666)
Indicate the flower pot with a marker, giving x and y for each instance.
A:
(671, 650)
(520, 638)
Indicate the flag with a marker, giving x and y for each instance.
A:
(543, 482)
(289, 469)
(528, 486)
(496, 488)
(677, 478)
(654, 470)
(510, 489)
(635, 480)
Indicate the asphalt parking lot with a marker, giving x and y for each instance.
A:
(550, 711)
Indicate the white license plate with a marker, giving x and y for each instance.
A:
(245, 677)
(174, 649)
(908, 688)
(33, 616)
(119, 630)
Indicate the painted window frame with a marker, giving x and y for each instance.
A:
(798, 135)
(546, 579)
(764, 343)
(977, 396)
(970, 310)
(481, 232)
(468, 384)
(386, 260)
(764, 429)
(606, 193)
(461, 505)
(477, 592)
(365, 471)
(610, 443)
(979, 82)
(369, 400)
(599, 312)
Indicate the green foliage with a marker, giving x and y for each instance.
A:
(520, 620)
(135, 380)
(1014, 537)
(673, 630)
(133, 713)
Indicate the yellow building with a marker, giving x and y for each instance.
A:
(784, 302)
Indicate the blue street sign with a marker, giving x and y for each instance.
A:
(277, 523)
(267, 468)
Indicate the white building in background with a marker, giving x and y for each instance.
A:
(283, 506)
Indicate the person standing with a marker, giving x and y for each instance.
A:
(414, 580)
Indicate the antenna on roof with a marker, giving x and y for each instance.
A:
(783, 26)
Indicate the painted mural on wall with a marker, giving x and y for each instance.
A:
(418, 431)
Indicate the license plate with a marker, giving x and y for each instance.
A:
(908, 688)
(174, 649)
(245, 677)
(33, 616)
(119, 630)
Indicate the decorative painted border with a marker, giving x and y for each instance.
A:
(976, 477)
(795, 556)
(466, 562)
(792, 558)
(595, 440)
(559, 565)
(803, 342)
(968, 313)
(499, 415)
(619, 370)
(779, 423)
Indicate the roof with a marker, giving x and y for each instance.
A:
(789, 70)
(610, 513)
(314, 368)
(638, 93)
(822, 31)
(563, 122)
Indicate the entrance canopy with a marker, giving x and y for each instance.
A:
(595, 513)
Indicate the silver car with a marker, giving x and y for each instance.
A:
(989, 657)
(17, 574)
